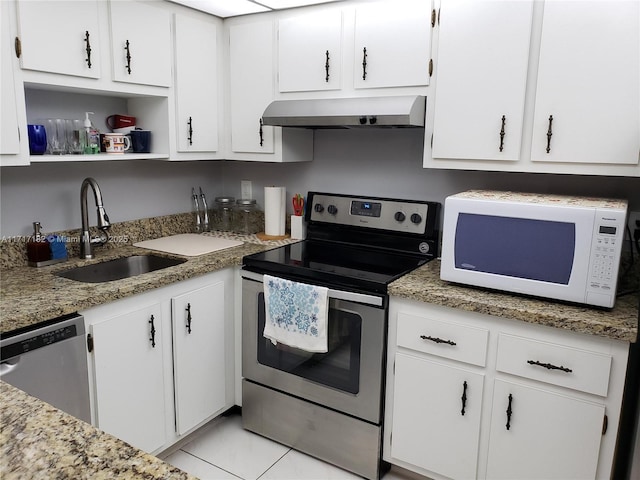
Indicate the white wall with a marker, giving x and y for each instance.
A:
(376, 162)
(50, 192)
(386, 162)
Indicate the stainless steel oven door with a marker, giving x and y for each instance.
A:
(347, 378)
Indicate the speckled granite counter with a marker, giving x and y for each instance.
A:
(31, 295)
(424, 285)
(38, 441)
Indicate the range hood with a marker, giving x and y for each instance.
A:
(400, 111)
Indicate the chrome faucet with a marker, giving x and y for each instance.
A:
(86, 242)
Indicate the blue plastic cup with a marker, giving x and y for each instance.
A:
(37, 139)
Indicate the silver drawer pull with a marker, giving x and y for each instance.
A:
(549, 366)
(437, 340)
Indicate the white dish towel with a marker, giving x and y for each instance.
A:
(296, 314)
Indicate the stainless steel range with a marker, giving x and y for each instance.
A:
(329, 405)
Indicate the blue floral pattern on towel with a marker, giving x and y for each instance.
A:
(294, 306)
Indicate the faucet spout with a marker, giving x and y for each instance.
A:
(86, 241)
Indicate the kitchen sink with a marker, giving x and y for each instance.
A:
(119, 268)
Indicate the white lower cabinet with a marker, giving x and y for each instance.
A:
(539, 402)
(198, 354)
(539, 434)
(163, 362)
(129, 377)
(431, 397)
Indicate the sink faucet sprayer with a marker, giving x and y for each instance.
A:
(86, 241)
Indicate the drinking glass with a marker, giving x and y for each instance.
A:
(56, 136)
(73, 129)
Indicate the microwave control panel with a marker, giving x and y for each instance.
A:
(606, 249)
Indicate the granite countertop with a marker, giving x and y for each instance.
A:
(31, 295)
(38, 441)
(424, 285)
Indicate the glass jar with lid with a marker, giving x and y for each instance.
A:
(247, 216)
(223, 212)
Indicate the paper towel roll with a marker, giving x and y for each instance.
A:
(274, 210)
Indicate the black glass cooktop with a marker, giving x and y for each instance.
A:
(329, 264)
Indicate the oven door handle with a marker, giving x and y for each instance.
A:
(337, 294)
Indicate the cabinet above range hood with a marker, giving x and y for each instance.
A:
(400, 111)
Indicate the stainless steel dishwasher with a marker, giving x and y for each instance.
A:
(49, 361)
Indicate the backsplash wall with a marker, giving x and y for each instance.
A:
(380, 162)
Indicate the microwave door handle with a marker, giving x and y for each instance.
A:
(336, 294)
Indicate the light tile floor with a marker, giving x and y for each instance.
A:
(223, 450)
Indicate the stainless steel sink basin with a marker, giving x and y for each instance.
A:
(119, 268)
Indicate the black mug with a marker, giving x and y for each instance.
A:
(140, 141)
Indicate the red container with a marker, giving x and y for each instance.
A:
(120, 121)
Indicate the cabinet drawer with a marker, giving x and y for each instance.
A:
(560, 365)
(445, 339)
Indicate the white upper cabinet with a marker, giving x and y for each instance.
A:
(251, 55)
(533, 86)
(589, 82)
(481, 77)
(392, 44)
(251, 81)
(196, 87)
(140, 42)
(310, 52)
(9, 134)
(60, 37)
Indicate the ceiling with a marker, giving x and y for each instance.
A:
(232, 8)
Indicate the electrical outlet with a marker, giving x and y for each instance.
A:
(246, 189)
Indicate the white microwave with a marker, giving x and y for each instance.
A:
(551, 246)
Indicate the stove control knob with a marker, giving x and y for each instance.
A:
(400, 217)
(416, 218)
(332, 209)
(318, 208)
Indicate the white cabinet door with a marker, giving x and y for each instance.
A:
(392, 44)
(141, 43)
(129, 377)
(546, 435)
(430, 429)
(589, 82)
(60, 37)
(310, 52)
(9, 136)
(196, 85)
(481, 78)
(251, 86)
(198, 319)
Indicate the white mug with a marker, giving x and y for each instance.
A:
(116, 143)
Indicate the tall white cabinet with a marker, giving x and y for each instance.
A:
(196, 85)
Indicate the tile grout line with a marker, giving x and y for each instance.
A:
(214, 465)
(273, 464)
